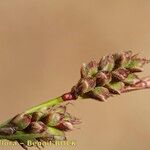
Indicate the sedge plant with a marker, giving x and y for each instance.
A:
(113, 75)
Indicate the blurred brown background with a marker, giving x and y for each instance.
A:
(42, 46)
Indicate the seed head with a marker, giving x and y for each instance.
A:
(110, 76)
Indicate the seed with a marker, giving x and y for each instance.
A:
(36, 127)
(21, 121)
(120, 74)
(52, 119)
(7, 130)
(36, 116)
(65, 126)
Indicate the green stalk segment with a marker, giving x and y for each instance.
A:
(46, 104)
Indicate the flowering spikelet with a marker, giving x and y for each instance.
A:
(111, 75)
(50, 125)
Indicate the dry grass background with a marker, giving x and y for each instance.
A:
(42, 46)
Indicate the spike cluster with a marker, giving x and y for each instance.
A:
(112, 75)
(45, 125)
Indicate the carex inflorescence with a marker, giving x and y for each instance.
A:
(49, 124)
(111, 75)
(49, 121)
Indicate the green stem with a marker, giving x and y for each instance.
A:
(46, 104)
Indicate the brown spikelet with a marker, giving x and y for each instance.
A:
(113, 74)
(49, 125)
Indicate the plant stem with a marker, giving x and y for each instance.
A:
(144, 83)
(46, 104)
